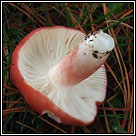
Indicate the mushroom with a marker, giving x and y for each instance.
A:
(60, 71)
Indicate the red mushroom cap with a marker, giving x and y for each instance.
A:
(64, 107)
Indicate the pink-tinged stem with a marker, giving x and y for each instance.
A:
(83, 61)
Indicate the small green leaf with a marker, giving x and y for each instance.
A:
(119, 129)
(9, 117)
(116, 7)
(26, 111)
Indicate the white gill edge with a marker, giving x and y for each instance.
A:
(52, 115)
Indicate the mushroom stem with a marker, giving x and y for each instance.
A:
(83, 61)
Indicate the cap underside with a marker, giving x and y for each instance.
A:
(43, 51)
